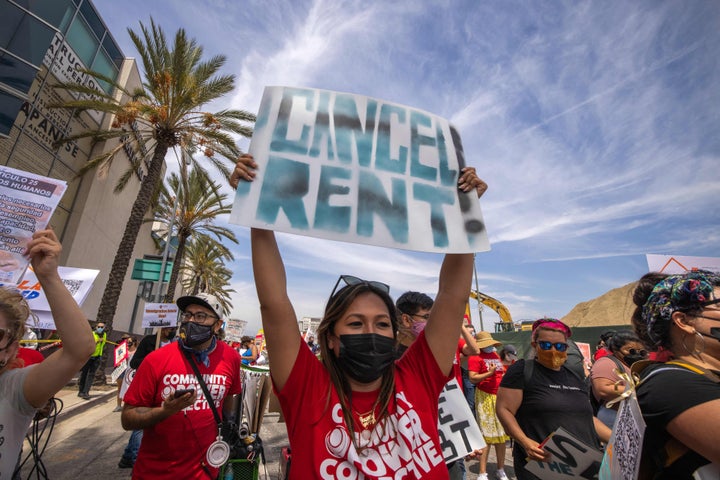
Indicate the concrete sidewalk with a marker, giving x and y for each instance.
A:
(73, 405)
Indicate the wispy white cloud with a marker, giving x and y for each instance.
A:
(594, 124)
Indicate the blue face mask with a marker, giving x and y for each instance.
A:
(99, 330)
(489, 349)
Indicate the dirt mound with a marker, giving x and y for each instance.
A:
(612, 308)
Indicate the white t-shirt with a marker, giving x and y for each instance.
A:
(16, 414)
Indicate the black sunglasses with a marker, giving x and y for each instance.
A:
(351, 281)
(632, 351)
(545, 345)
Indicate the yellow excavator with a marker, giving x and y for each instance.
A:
(507, 324)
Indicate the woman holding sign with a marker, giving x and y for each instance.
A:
(357, 412)
(680, 399)
(536, 397)
(24, 390)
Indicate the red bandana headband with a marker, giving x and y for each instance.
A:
(553, 324)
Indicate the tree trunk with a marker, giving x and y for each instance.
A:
(113, 288)
(179, 255)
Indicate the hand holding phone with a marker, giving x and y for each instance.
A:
(179, 393)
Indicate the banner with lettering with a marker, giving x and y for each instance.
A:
(27, 201)
(158, 315)
(357, 169)
(78, 281)
(672, 264)
(459, 431)
(570, 458)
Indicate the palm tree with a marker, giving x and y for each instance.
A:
(192, 202)
(204, 269)
(165, 113)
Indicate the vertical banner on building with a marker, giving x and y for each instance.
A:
(358, 169)
(27, 201)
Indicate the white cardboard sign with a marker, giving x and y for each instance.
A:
(459, 431)
(357, 169)
(571, 458)
(158, 315)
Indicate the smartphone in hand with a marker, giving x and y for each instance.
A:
(179, 393)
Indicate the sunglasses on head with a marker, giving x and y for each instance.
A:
(352, 281)
(545, 345)
(714, 301)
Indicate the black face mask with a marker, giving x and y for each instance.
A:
(171, 335)
(629, 359)
(193, 334)
(365, 357)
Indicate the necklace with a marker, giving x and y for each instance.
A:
(367, 419)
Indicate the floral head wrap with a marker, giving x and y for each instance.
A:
(677, 293)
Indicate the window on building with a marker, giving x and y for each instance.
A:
(9, 108)
(25, 36)
(53, 12)
(82, 41)
(15, 73)
(102, 64)
(113, 51)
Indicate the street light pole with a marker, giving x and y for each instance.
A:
(477, 289)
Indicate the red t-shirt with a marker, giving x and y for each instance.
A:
(457, 372)
(29, 356)
(176, 447)
(480, 363)
(405, 445)
(601, 352)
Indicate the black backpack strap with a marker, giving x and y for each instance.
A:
(204, 388)
(528, 369)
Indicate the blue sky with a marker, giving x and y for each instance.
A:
(595, 124)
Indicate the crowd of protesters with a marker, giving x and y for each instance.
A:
(367, 384)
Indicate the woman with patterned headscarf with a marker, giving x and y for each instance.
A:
(680, 399)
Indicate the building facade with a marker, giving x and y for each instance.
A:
(43, 43)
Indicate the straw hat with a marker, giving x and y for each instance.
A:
(484, 340)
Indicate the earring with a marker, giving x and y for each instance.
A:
(697, 352)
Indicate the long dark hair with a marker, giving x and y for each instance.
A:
(334, 310)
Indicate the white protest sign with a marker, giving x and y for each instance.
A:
(121, 353)
(459, 431)
(622, 454)
(158, 315)
(27, 201)
(708, 472)
(119, 369)
(571, 458)
(673, 264)
(78, 281)
(358, 169)
(127, 380)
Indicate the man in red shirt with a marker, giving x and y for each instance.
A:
(179, 429)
